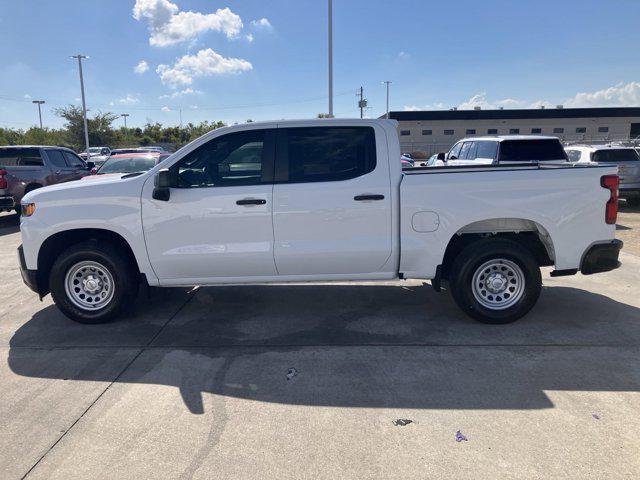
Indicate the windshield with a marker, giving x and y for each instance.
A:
(94, 150)
(615, 155)
(531, 150)
(127, 165)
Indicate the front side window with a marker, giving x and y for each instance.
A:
(468, 151)
(454, 153)
(326, 154)
(228, 160)
(73, 160)
(486, 149)
(56, 158)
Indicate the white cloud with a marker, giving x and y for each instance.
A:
(193, 107)
(128, 100)
(262, 23)
(141, 67)
(249, 37)
(620, 95)
(168, 25)
(404, 55)
(205, 63)
(27, 96)
(165, 109)
(181, 93)
(111, 103)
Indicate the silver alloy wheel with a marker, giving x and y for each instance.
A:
(498, 284)
(89, 285)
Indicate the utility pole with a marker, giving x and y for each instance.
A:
(362, 103)
(84, 103)
(180, 116)
(387, 82)
(125, 115)
(330, 21)
(39, 102)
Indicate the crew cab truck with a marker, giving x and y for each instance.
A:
(319, 200)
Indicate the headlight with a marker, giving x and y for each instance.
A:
(28, 209)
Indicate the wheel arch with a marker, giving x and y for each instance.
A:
(529, 233)
(55, 244)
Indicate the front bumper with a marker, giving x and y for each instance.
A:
(29, 277)
(601, 257)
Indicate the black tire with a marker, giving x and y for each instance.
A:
(118, 265)
(477, 254)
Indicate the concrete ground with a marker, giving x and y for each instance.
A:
(299, 381)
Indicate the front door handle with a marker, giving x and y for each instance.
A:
(360, 198)
(251, 201)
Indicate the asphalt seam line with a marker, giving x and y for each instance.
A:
(126, 367)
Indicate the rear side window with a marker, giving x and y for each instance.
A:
(486, 149)
(326, 154)
(574, 155)
(615, 156)
(531, 150)
(20, 157)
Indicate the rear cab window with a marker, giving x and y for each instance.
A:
(531, 150)
(615, 155)
(20, 157)
(325, 154)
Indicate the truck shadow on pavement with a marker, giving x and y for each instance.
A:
(376, 346)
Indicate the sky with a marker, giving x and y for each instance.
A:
(255, 59)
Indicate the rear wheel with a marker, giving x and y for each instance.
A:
(93, 283)
(495, 281)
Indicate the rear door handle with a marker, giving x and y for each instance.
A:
(360, 198)
(251, 201)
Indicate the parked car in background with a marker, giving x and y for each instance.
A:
(406, 160)
(130, 163)
(626, 159)
(153, 149)
(432, 161)
(317, 200)
(98, 155)
(25, 168)
(505, 149)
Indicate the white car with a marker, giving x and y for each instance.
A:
(626, 159)
(329, 203)
(97, 155)
(504, 149)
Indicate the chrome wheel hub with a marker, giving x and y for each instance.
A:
(498, 284)
(89, 285)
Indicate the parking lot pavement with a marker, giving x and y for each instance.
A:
(304, 381)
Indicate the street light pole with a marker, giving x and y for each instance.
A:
(39, 102)
(387, 82)
(84, 104)
(330, 20)
(125, 115)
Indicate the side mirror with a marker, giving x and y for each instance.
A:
(91, 165)
(162, 184)
(441, 156)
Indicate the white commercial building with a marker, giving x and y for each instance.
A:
(436, 130)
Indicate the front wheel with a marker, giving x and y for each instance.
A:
(92, 282)
(495, 281)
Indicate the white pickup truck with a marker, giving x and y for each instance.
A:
(319, 200)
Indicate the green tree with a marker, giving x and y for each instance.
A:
(100, 130)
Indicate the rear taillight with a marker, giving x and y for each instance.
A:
(3, 180)
(611, 182)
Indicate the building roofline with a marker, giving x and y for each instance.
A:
(515, 114)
